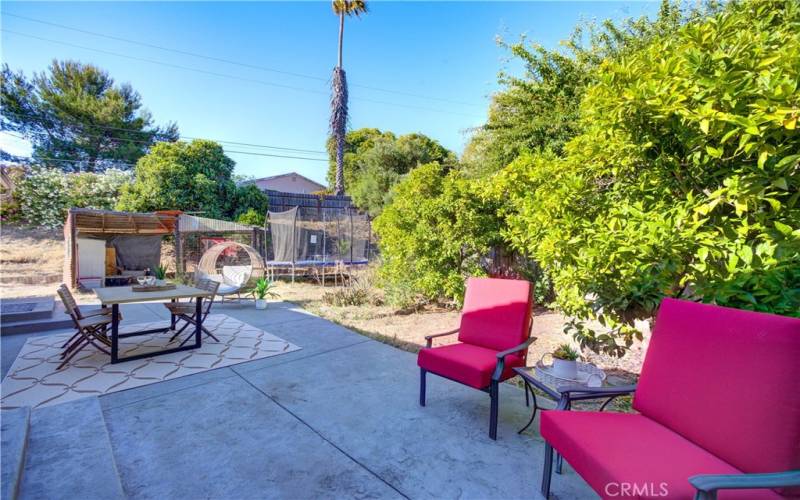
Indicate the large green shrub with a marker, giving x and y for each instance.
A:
(44, 195)
(433, 235)
(191, 176)
(684, 181)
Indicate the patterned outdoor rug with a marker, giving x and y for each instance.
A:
(34, 381)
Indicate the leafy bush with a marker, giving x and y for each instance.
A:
(433, 235)
(193, 177)
(45, 194)
(251, 199)
(252, 218)
(684, 181)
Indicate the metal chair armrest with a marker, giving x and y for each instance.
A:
(501, 357)
(429, 338)
(609, 391)
(708, 484)
(502, 354)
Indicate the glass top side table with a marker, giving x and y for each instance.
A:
(564, 394)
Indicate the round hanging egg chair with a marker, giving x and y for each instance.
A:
(235, 273)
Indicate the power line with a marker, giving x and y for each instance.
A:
(114, 162)
(236, 63)
(107, 127)
(275, 156)
(251, 153)
(225, 75)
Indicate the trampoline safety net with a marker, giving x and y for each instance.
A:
(311, 236)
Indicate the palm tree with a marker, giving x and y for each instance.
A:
(338, 122)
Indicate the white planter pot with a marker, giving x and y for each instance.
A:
(565, 369)
(261, 303)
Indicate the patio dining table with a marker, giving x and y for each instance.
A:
(114, 296)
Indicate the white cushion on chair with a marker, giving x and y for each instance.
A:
(227, 289)
(235, 275)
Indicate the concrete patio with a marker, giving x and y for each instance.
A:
(337, 419)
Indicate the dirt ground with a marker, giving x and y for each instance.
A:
(33, 256)
(30, 253)
(408, 331)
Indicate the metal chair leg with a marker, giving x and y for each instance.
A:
(547, 472)
(495, 395)
(65, 344)
(179, 332)
(422, 373)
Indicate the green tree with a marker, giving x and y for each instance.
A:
(338, 121)
(252, 217)
(375, 161)
(540, 110)
(250, 199)
(194, 176)
(357, 142)
(684, 181)
(77, 118)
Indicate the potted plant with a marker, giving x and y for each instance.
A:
(565, 363)
(160, 273)
(264, 288)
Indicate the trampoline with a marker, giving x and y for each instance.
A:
(317, 242)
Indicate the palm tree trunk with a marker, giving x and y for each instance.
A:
(341, 38)
(338, 123)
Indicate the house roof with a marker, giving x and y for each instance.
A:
(289, 174)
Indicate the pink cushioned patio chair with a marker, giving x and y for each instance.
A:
(718, 406)
(493, 339)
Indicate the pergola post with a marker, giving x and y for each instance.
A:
(179, 264)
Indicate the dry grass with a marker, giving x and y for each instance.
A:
(408, 330)
(30, 254)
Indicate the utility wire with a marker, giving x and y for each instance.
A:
(236, 63)
(106, 127)
(252, 153)
(225, 75)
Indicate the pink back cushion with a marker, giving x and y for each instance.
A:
(728, 380)
(496, 313)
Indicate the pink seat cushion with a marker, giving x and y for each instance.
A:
(727, 380)
(496, 313)
(609, 449)
(469, 364)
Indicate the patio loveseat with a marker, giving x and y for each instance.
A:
(718, 406)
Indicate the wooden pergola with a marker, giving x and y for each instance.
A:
(88, 221)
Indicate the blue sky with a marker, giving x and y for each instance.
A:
(444, 51)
